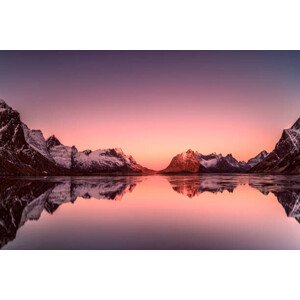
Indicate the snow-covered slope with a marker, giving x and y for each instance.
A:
(62, 155)
(36, 140)
(92, 162)
(108, 159)
(257, 159)
(285, 158)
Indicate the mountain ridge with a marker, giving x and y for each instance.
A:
(24, 151)
(195, 162)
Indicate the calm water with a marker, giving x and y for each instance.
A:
(153, 212)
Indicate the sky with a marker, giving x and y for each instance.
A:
(156, 104)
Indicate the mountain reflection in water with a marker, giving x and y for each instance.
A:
(25, 199)
(285, 188)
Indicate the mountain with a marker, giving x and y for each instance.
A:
(92, 162)
(26, 152)
(285, 158)
(257, 159)
(195, 162)
(186, 162)
(17, 156)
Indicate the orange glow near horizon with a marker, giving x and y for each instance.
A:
(153, 145)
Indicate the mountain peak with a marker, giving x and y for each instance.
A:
(258, 158)
(3, 104)
(296, 125)
(189, 154)
(264, 152)
(52, 141)
(190, 151)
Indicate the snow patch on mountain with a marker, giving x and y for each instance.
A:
(36, 140)
(258, 158)
(209, 163)
(62, 155)
(100, 157)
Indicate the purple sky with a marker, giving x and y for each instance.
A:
(155, 104)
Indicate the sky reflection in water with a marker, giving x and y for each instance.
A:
(154, 212)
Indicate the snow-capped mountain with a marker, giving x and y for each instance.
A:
(26, 152)
(20, 151)
(92, 162)
(285, 158)
(195, 162)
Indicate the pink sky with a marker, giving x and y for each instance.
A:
(156, 104)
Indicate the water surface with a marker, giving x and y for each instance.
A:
(151, 212)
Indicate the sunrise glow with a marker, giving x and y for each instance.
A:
(155, 104)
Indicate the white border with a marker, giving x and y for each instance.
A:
(155, 24)
(149, 274)
(120, 24)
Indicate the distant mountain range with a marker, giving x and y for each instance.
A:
(284, 159)
(26, 152)
(195, 162)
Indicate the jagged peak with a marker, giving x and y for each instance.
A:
(231, 158)
(53, 141)
(214, 155)
(296, 125)
(187, 154)
(3, 104)
(261, 155)
(264, 152)
(190, 151)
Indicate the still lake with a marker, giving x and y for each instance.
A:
(150, 212)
